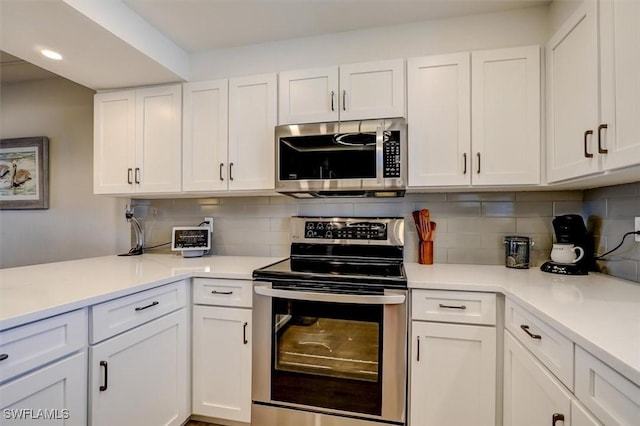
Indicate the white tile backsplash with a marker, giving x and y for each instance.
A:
(470, 226)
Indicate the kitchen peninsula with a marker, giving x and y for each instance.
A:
(597, 315)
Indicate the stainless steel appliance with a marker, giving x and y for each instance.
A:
(342, 159)
(570, 229)
(330, 326)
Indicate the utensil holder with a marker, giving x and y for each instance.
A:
(425, 253)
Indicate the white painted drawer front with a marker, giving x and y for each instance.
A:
(549, 346)
(118, 315)
(32, 345)
(454, 306)
(207, 291)
(610, 396)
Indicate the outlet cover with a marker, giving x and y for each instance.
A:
(637, 229)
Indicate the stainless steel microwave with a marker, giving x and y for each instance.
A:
(342, 159)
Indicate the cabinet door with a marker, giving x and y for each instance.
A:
(114, 134)
(439, 117)
(205, 136)
(572, 97)
(252, 121)
(158, 137)
(372, 90)
(453, 375)
(506, 116)
(532, 395)
(620, 82)
(57, 393)
(141, 377)
(308, 96)
(222, 363)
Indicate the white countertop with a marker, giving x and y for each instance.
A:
(598, 312)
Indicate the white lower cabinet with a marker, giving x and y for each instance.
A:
(453, 358)
(55, 394)
(222, 363)
(140, 377)
(532, 395)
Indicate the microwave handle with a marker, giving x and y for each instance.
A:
(380, 153)
(386, 299)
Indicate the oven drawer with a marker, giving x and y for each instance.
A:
(454, 306)
(122, 314)
(553, 349)
(217, 292)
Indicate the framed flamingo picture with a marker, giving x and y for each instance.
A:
(24, 173)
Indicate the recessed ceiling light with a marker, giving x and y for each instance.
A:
(51, 54)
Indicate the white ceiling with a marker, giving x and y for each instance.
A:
(124, 43)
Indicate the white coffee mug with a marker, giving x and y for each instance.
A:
(566, 253)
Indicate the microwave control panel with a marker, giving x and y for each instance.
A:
(391, 159)
(345, 230)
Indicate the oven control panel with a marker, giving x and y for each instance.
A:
(333, 230)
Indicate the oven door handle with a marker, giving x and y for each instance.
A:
(386, 299)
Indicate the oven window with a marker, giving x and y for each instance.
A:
(327, 355)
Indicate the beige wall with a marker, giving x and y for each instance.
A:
(77, 223)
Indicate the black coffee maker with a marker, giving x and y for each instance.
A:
(570, 229)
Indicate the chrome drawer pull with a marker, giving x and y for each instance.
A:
(142, 308)
(525, 328)
(452, 306)
(3, 357)
(227, 293)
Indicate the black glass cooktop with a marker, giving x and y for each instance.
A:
(363, 272)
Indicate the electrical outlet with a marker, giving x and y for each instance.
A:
(637, 229)
(210, 220)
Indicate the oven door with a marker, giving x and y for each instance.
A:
(334, 353)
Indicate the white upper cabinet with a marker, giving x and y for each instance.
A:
(439, 118)
(228, 136)
(349, 92)
(496, 90)
(593, 106)
(205, 136)
(137, 141)
(252, 120)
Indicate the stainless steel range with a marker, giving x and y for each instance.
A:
(330, 326)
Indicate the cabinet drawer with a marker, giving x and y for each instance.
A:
(454, 306)
(207, 291)
(610, 396)
(548, 345)
(118, 315)
(33, 345)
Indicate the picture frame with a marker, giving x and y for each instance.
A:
(24, 173)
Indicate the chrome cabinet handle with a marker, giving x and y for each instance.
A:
(478, 154)
(221, 166)
(418, 350)
(464, 160)
(344, 100)
(230, 171)
(462, 307)
(365, 299)
(601, 150)
(3, 357)
(557, 417)
(525, 328)
(244, 333)
(221, 292)
(137, 175)
(333, 95)
(129, 173)
(587, 154)
(142, 308)
(104, 365)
